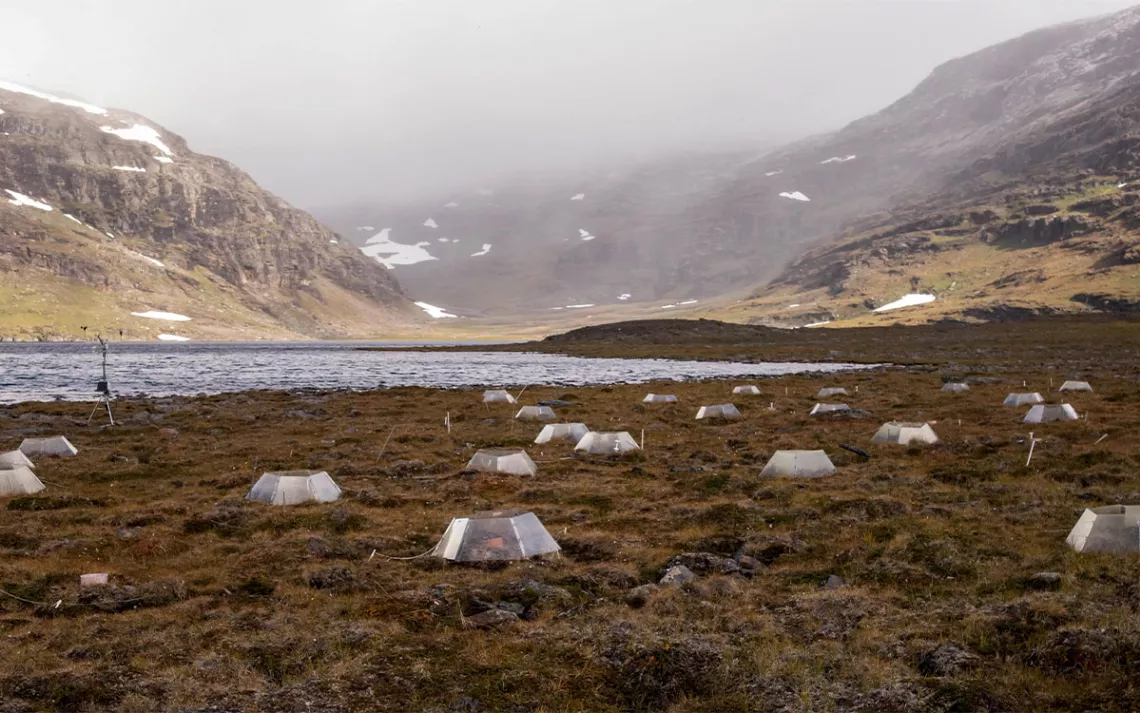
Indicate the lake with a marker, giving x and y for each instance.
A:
(68, 371)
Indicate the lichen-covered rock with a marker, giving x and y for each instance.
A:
(676, 576)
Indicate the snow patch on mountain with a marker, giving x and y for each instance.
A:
(773, 173)
(389, 253)
(89, 108)
(429, 223)
(624, 296)
(163, 159)
(365, 228)
(907, 301)
(796, 196)
(152, 261)
(139, 132)
(837, 159)
(578, 197)
(165, 316)
(486, 249)
(585, 234)
(21, 199)
(452, 204)
(435, 312)
(172, 338)
(136, 169)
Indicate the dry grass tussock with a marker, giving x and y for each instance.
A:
(217, 604)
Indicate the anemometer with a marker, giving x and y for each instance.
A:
(103, 387)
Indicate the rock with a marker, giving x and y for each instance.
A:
(493, 619)
(1041, 209)
(676, 576)
(833, 582)
(513, 607)
(168, 433)
(748, 563)
(945, 660)
(93, 580)
(1044, 581)
(704, 563)
(640, 596)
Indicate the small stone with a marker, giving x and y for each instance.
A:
(93, 580)
(747, 562)
(1044, 580)
(168, 433)
(493, 619)
(677, 575)
(640, 596)
(833, 582)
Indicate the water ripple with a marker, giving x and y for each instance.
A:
(45, 372)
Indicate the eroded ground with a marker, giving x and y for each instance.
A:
(218, 604)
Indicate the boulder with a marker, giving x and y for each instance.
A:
(493, 619)
(833, 582)
(676, 576)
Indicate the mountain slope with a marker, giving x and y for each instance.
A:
(703, 227)
(104, 214)
(1044, 221)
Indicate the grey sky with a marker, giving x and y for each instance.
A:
(340, 100)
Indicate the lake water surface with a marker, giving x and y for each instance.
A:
(68, 371)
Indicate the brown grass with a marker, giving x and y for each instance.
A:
(240, 606)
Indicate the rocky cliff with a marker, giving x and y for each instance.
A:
(104, 214)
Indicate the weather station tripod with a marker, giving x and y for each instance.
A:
(103, 388)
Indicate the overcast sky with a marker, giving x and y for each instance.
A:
(339, 100)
